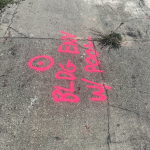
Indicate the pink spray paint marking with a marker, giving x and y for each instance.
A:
(63, 97)
(68, 72)
(68, 35)
(71, 77)
(40, 63)
(90, 67)
(90, 43)
(98, 93)
(68, 65)
(68, 38)
(70, 42)
(67, 50)
(92, 50)
(107, 87)
(92, 58)
(65, 89)
(93, 69)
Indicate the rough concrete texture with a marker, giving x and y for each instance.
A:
(30, 119)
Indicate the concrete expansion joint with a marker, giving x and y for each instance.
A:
(108, 141)
(17, 31)
(108, 107)
(26, 37)
(108, 116)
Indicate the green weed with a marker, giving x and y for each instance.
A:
(3, 3)
(113, 39)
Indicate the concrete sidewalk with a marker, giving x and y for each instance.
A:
(33, 64)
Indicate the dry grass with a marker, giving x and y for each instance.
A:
(113, 40)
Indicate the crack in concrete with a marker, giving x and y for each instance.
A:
(112, 9)
(125, 109)
(28, 38)
(123, 22)
(125, 141)
(141, 1)
(11, 20)
(108, 107)
(135, 40)
(17, 31)
(108, 115)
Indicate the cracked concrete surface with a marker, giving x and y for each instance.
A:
(7, 18)
(29, 117)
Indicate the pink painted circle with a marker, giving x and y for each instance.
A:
(41, 62)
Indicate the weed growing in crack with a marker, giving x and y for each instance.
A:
(3, 3)
(113, 40)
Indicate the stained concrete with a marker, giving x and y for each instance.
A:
(31, 119)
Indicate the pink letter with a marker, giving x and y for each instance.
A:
(68, 35)
(98, 93)
(72, 77)
(89, 62)
(106, 87)
(93, 69)
(63, 97)
(41, 63)
(90, 43)
(68, 65)
(67, 38)
(95, 52)
(68, 50)
(70, 42)
(69, 90)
